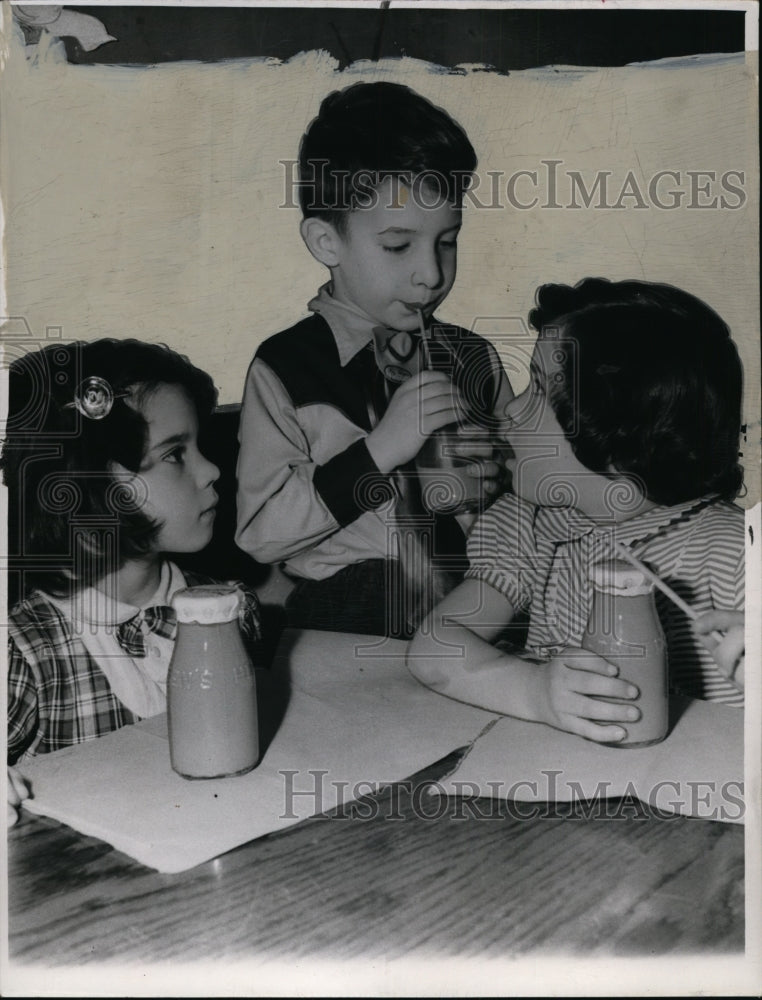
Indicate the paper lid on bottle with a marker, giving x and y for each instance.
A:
(615, 576)
(208, 605)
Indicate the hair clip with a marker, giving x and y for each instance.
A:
(94, 398)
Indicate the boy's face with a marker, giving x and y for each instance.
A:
(546, 472)
(176, 479)
(397, 255)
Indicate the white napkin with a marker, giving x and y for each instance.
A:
(355, 719)
(696, 771)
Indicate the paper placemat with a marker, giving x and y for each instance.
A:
(696, 771)
(355, 719)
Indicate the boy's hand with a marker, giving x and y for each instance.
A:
(574, 680)
(729, 653)
(484, 454)
(18, 789)
(419, 407)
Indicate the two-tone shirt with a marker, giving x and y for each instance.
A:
(309, 493)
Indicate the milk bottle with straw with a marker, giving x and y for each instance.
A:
(624, 629)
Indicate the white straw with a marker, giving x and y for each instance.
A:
(424, 341)
(658, 582)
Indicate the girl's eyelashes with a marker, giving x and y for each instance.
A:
(396, 248)
(175, 456)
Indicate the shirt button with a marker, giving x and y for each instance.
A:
(155, 652)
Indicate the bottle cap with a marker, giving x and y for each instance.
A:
(615, 576)
(207, 605)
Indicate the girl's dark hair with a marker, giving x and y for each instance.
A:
(370, 131)
(70, 518)
(651, 385)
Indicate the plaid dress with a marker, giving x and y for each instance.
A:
(57, 694)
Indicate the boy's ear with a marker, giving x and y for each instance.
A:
(322, 240)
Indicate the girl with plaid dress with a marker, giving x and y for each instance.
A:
(105, 478)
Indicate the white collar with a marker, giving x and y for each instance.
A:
(352, 328)
(93, 607)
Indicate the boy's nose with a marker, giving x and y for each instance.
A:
(427, 271)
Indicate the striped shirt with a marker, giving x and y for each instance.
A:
(539, 559)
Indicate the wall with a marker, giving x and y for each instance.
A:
(146, 201)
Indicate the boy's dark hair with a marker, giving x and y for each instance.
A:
(64, 499)
(370, 131)
(652, 385)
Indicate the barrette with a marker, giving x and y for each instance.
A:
(94, 398)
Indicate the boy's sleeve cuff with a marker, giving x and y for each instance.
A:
(350, 484)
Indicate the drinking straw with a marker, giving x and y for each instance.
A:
(658, 582)
(424, 340)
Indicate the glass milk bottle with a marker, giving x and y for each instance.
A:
(624, 629)
(211, 690)
(446, 485)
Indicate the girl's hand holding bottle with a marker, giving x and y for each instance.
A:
(572, 686)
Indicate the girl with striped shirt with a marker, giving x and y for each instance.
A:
(628, 432)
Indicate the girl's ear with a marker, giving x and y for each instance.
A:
(322, 240)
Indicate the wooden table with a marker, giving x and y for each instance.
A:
(392, 884)
(399, 874)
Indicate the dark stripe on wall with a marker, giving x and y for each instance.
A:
(502, 39)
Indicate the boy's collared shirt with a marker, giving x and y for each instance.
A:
(309, 493)
(351, 328)
(540, 558)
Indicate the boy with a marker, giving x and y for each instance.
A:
(628, 431)
(336, 408)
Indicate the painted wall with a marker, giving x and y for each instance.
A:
(148, 201)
